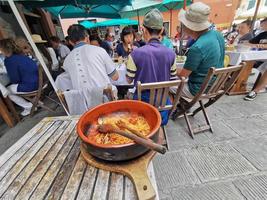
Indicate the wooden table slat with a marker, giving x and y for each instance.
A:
(18, 152)
(88, 182)
(20, 143)
(151, 174)
(72, 187)
(28, 170)
(16, 169)
(48, 178)
(63, 176)
(116, 187)
(102, 185)
(130, 192)
(44, 165)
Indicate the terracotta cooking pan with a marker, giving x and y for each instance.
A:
(118, 152)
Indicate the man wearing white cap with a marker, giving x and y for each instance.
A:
(207, 51)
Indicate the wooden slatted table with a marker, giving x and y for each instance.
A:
(46, 163)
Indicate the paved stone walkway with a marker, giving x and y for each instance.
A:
(230, 164)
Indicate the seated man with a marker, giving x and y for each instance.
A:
(61, 49)
(259, 42)
(152, 62)
(261, 84)
(244, 33)
(88, 66)
(207, 51)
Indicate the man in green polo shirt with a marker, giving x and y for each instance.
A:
(207, 51)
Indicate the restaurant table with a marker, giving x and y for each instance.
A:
(250, 57)
(46, 163)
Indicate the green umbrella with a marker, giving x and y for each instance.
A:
(69, 11)
(53, 3)
(88, 24)
(138, 8)
(116, 22)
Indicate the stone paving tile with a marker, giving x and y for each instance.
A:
(231, 110)
(221, 132)
(216, 162)
(221, 191)
(252, 108)
(178, 136)
(248, 126)
(264, 117)
(255, 150)
(172, 170)
(253, 188)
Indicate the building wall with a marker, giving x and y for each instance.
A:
(222, 11)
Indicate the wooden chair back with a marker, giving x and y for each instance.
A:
(218, 82)
(159, 93)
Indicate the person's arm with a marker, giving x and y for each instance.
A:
(110, 66)
(259, 46)
(64, 51)
(131, 70)
(183, 72)
(173, 71)
(192, 62)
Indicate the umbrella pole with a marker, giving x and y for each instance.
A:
(185, 4)
(170, 23)
(255, 15)
(35, 49)
(138, 18)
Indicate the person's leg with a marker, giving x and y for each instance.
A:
(260, 85)
(262, 82)
(19, 100)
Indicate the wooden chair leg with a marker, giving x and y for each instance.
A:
(205, 115)
(11, 107)
(45, 107)
(165, 140)
(5, 114)
(191, 132)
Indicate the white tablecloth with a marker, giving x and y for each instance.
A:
(237, 57)
(121, 68)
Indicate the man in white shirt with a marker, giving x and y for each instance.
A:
(60, 48)
(88, 66)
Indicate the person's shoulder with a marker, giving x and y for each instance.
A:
(93, 49)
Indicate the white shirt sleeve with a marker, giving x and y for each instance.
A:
(64, 51)
(109, 64)
(53, 56)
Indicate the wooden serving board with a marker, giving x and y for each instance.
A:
(135, 169)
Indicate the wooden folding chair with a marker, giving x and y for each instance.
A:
(35, 96)
(158, 95)
(216, 84)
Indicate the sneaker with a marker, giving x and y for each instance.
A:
(251, 96)
(26, 112)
